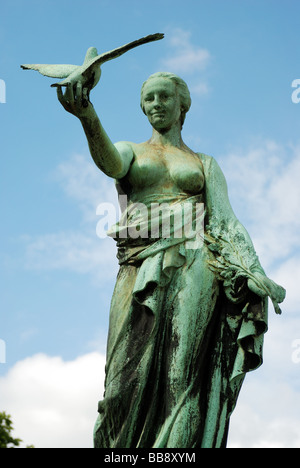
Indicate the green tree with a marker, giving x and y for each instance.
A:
(6, 428)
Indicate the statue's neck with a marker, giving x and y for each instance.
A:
(171, 137)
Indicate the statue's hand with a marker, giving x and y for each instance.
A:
(75, 99)
(264, 286)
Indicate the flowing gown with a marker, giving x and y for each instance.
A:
(184, 328)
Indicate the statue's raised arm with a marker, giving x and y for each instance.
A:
(79, 80)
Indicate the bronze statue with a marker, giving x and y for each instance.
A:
(187, 319)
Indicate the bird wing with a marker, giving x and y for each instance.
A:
(54, 71)
(121, 50)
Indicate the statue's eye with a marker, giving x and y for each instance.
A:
(148, 98)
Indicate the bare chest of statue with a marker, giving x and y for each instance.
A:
(164, 169)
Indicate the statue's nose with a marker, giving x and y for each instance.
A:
(157, 102)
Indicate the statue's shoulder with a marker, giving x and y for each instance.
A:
(124, 146)
(212, 171)
(206, 160)
(205, 157)
(209, 162)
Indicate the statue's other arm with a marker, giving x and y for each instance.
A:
(113, 160)
(218, 204)
(221, 214)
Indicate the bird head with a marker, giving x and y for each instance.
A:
(90, 54)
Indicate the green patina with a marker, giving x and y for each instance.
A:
(187, 321)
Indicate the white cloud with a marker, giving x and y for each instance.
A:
(186, 58)
(254, 430)
(71, 251)
(199, 89)
(264, 189)
(53, 403)
(78, 249)
(268, 409)
(84, 183)
(289, 274)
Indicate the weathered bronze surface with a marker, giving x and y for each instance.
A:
(189, 312)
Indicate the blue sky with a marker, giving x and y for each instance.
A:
(239, 58)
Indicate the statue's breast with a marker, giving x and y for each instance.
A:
(187, 176)
(177, 170)
(147, 170)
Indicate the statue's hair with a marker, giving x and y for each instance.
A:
(181, 87)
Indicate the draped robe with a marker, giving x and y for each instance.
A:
(184, 328)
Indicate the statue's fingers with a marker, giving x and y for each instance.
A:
(85, 97)
(78, 91)
(69, 94)
(59, 94)
(62, 99)
(85, 94)
(281, 293)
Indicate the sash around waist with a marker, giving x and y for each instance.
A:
(157, 223)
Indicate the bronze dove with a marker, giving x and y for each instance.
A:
(89, 72)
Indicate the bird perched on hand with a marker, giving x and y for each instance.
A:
(88, 74)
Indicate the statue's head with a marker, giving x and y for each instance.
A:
(181, 89)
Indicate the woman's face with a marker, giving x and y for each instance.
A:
(161, 103)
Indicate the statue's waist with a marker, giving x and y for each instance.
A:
(156, 224)
(157, 217)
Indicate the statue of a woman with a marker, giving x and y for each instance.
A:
(186, 320)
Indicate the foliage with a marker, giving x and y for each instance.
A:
(229, 263)
(6, 429)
